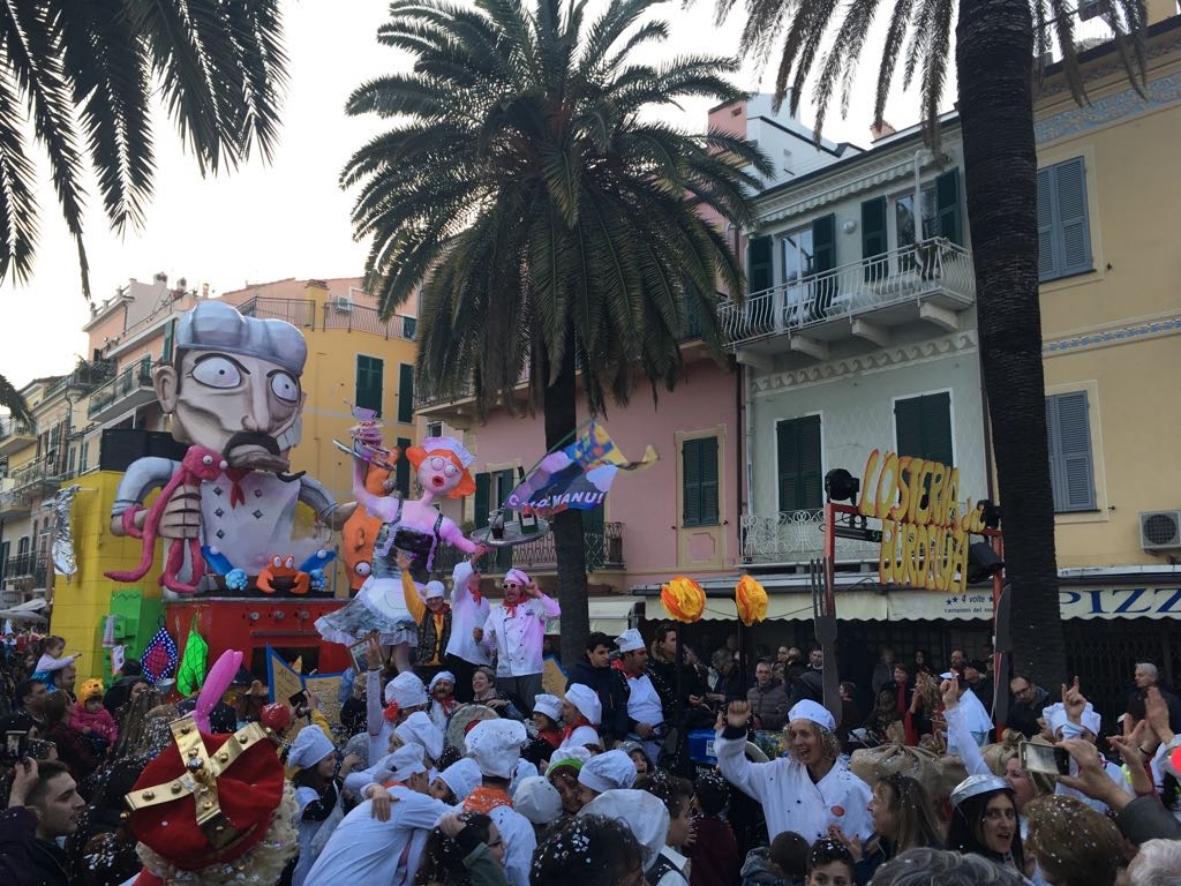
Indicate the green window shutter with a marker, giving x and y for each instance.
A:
(800, 481)
(759, 273)
(1064, 228)
(505, 481)
(368, 392)
(405, 393)
(873, 238)
(84, 457)
(824, 244)
(699, 478)
(923, 427)
(483, 488)
(402, 468)
(166, 351)
(947, 207)
(1071, 463)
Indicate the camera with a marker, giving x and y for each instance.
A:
(1044, 758)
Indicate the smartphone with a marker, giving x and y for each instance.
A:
(16, 746)
(1044, 758)
(299, 699)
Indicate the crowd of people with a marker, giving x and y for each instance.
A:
(430, 777)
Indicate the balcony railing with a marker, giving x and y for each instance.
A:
(25, 566)
(936, 270)
(795, 537)
(11, 428)
(34, 477)
(299, 312)
(361, 318)
(84, 377)
(13, 504)
(603, 546)
(133, 383)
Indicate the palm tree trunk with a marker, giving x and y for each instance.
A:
(994, 56)
(561, 420)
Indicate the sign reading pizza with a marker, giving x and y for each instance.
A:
(925, 528)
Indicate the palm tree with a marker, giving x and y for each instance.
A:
(995, 47)
(11, 399)
(87, 72)
(557, 230)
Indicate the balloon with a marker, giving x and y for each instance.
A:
(220, 676)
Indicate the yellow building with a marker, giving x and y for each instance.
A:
(1108, 194)
(94, 421)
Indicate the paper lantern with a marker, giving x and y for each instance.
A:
(751, 600)
(683, 599)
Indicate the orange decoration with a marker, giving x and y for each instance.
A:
(683, 599)
(751, 600)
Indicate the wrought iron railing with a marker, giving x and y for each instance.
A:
(353, 317)
(10, 427)
(795, 537)
(299, 312)
(28, 477)
(86, 375)
(901, 275)
(603, 547)
(26, 566)
(132, 378)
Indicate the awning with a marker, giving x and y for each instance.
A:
(609, 615)
(29, 611)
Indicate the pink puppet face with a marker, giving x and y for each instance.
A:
(439, 475)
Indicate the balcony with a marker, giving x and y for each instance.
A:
(603, 545)
(14, 506)
(85, 377)
(931, 282)
(35, 479)
(795, 537)
(352, 317)
(28, 569)
(299, 312)
(15, 436)
(128, 390)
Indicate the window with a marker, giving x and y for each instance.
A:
(1068, 424)
(922, 427)
(1063, 226)
(166, 351)
(84, 457)
(434, 429)
(939, 214)
(759, 273)
(492, 488)
(699, 482)
(402, 468)
(808, 253)
(370, 372)
(405, 393)
(799, 462)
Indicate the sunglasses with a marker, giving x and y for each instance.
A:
(511, 584)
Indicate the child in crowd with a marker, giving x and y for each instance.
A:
(830, 863)
(785, 863)
(671, 867)
(52, 660)
(715, 849)
(93, 720)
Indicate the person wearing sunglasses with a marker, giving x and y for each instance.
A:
(515, 632)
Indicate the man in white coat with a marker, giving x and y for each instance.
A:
(469, 610)
(806, 792)
(366, 849)
(645, 713)
(515, 630)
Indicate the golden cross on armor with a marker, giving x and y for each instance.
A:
(200, 778)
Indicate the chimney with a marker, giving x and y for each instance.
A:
(877, 133)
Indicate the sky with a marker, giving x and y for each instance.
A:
(290, 218)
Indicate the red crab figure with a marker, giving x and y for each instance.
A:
(283, 568)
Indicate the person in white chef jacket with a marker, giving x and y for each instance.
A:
(806, 792)
(645, 713)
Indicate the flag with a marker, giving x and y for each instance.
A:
(575, 476)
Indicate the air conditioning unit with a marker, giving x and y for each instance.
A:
(343, 304)
(1160, 530)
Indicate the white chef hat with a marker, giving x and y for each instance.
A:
(1056, 719)
(523, 770)
(434, 589)
(538, 800)
(405, 762)
(442, 675)
(418, 729)
(495, 745)
(309, 748)
(463, 776)
(608, 772)
(814, 712)
(645, 815)
(574, 757)
(629, 641)
(550, 705)
(517, 575)
(406, 691)
(587, 701)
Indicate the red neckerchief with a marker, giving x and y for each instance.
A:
(448, 705)
(511, 608)
(237, 475)
(553, 736)
(618, 665)
(581, 721)
(484, 799)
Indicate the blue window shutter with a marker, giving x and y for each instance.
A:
(759, 272)
(402, 468)
(1045, 225)
(1073, 225)
(1072, 467)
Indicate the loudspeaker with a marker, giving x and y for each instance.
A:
(121, 446)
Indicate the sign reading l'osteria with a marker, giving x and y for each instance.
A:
(926, 529)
